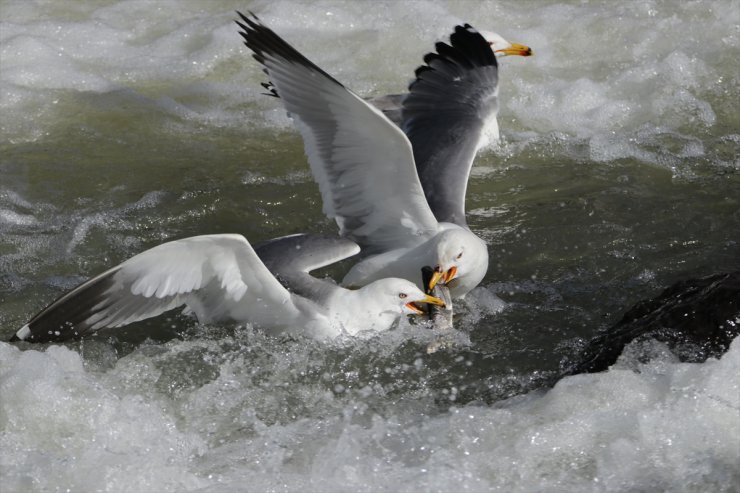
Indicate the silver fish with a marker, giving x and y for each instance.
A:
(441, 316)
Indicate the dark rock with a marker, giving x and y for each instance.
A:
(697, 319)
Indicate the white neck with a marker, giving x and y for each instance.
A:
(355, 311)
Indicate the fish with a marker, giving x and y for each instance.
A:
(440, 316)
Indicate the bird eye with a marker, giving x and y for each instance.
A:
(459, 256)
(402, 295)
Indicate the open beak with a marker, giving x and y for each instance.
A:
(432, 300)
(516, 49)
(446, 276)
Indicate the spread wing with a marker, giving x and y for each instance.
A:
(444, 116)
(291, 258)
(362, 162)
(390, 105)
(215, 276)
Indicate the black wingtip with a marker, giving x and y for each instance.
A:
(247, 19)
(272, 91)
(470, 41)
(468, 48)
(265, 44)
(70, 315)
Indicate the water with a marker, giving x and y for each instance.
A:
(128, 123)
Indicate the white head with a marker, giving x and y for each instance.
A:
(461, 259)
(378, 305)
(399, 295)
(501, 47)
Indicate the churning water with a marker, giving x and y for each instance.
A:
(126, 123)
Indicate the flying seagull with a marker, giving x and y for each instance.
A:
(365, 169)
(221, 278)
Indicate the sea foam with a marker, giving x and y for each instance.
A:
(673, 426)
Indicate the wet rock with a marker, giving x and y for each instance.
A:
(697, 319)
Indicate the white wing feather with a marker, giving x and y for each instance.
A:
(218, 277)
(362, 162)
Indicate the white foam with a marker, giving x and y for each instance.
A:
(66, 426)
(13, 218)
(606, 75)
(152, 423)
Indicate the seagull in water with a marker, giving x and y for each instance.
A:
(481, 78)
(450, 113)
(222, 278)
(364, 164)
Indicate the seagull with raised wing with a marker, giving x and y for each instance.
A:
(365, 169)
(481, 79)
(450, 112)
(221, 278)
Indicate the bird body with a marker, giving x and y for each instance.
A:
(451, 241)
(364, 166)
(399, 195)
(222, 278)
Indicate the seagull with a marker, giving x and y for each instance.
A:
(392, 104)
(450, 113)
(220, 277)
(364, 166)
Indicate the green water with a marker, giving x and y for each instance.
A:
(573, 242)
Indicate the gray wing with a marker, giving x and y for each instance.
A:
(390, 105)
(215, 276)
(444, 116)
(362, 162)
(291, 258)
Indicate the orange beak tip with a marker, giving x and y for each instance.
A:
(450, 274)
(413, 308)
(517, 49)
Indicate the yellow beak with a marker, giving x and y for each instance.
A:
(516, 49)
(432, 300)
(438, 274)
